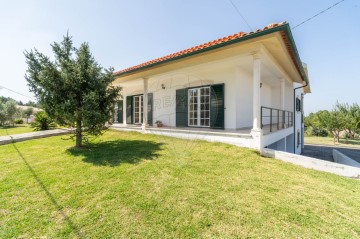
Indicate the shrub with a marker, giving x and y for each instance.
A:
(42, 122)
(19, 121)
(311, 131)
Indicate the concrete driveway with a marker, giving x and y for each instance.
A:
(324, 152)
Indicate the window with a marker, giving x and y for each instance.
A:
(138, 109)
(298, 138)
(199, 107)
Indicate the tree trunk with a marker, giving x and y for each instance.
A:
(352, 135)
(78, 134)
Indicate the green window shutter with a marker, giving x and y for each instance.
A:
(120, 111)
(150, 108)
(182, 108)
(298, 104)
(217, 107)
(129, 109)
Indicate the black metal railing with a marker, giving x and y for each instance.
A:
(275, 119)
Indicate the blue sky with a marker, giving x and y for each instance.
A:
(126, 33)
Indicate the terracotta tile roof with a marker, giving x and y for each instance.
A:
(198, 48)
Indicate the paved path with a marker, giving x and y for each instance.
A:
(324, 152)
(33, 135)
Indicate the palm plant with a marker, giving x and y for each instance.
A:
(42, 122)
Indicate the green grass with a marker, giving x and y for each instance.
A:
(131, 185)
(330, 141)
(17, 129)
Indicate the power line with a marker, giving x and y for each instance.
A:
(3, 87)
(238, 11)
(318, 14)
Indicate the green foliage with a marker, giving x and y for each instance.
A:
(334, 121)
(73, 89)
(42, 122)
(28, 111)
(352, 113)
(313, 126)
(19, 121)
(8, 111)
(4, 99)
(320, 132)
(2, 114)
(11, 111)
(343, 117)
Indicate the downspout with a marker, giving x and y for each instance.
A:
(295, 112)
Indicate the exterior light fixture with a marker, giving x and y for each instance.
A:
(163, 86)
(260, 84)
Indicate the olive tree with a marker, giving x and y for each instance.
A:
(352, 114)
(73, 89)
(334, 121)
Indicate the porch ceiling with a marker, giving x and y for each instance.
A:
(269, 75)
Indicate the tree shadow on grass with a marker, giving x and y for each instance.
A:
(48, 193)
(114, 153)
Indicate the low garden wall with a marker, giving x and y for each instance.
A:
(313, 163)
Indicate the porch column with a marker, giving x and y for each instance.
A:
(282, 94)
(256, 91)
(145, 106)
(256, 131)
(124, 110)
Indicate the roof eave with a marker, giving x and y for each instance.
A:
(301, 69)
(284, 27)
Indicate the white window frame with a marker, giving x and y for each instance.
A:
(200, 121)
(141, 108)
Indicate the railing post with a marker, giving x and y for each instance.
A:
(283, 119)
(288, 119)
(271, 120)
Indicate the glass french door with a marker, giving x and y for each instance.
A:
(199, 107)
(138, 109)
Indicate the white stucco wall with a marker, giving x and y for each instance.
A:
(275, 97)
(266, 95)
(244, 97)
(289, 99)
(290, 143)
(238, 81)
(226, 76)
(164, 99)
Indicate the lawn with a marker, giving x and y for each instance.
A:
(330, 141)
(17, 129)
(132, 185)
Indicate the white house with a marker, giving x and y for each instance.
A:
(245, 89)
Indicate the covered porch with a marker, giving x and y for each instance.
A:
(257, 98)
